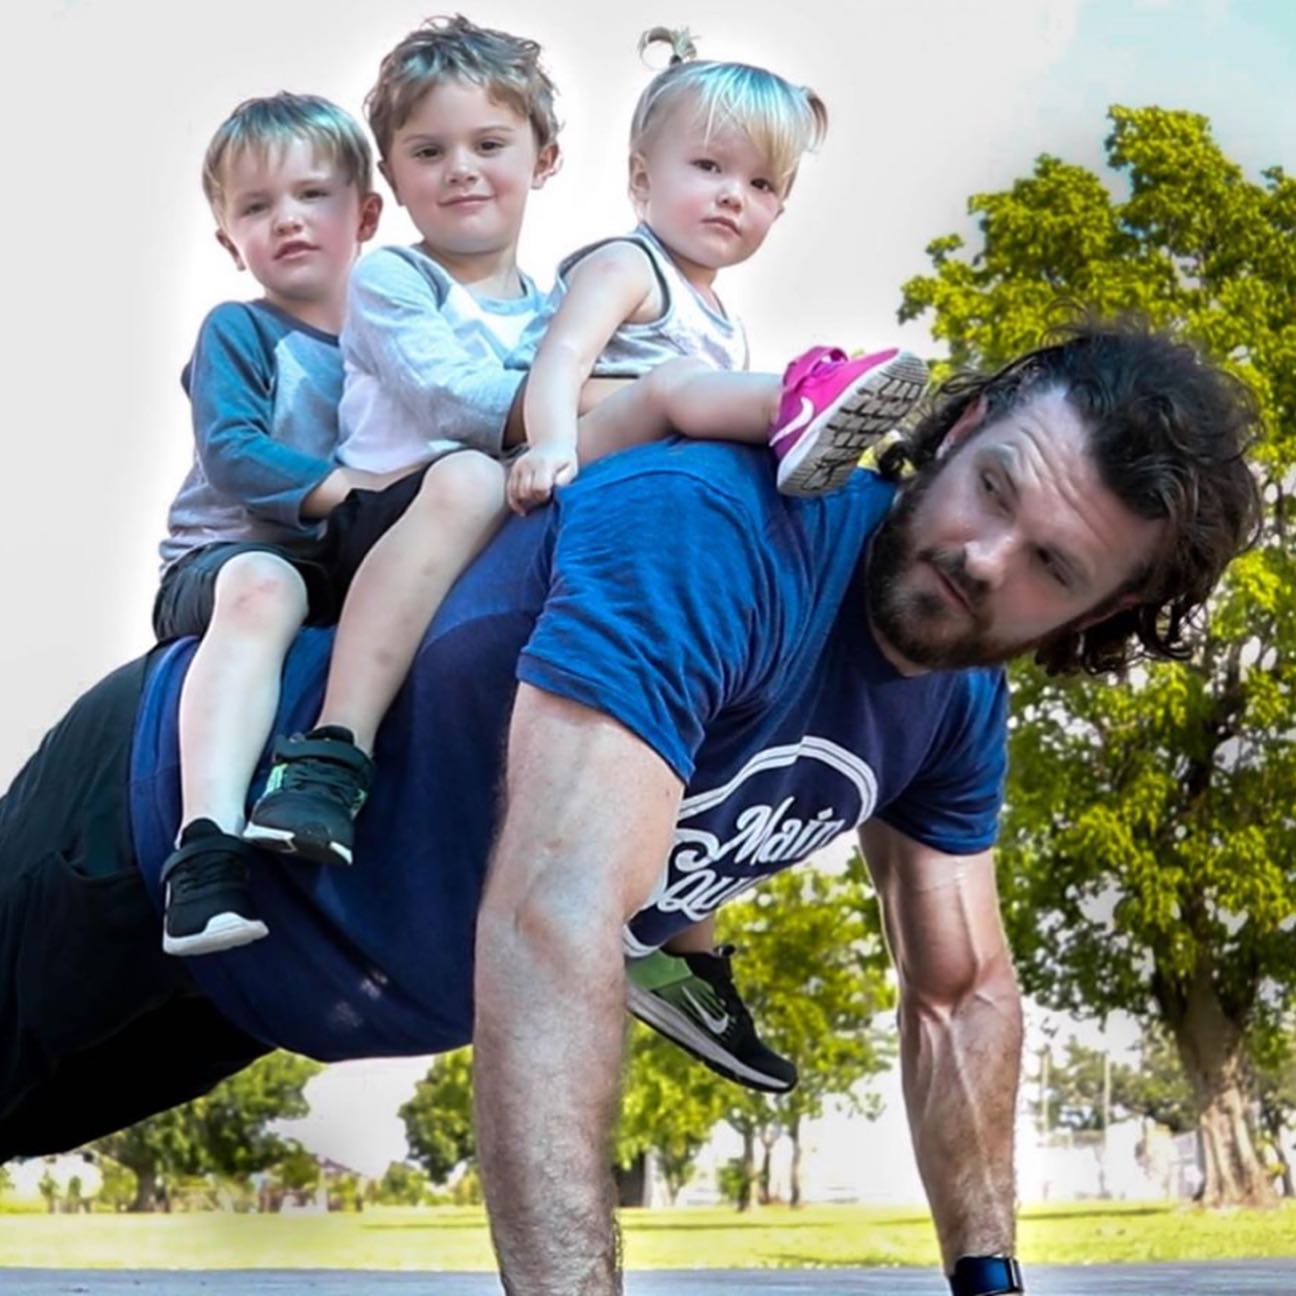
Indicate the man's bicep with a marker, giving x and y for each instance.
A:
(941, 912)
(660, 609)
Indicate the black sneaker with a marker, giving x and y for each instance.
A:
(317, 784)
(692, 1000)
(206, 904)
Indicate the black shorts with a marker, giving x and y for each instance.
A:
(362, 519)
(187, 595)
(185, 599)
(98, 1028)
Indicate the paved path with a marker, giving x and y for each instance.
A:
(1232, 1278)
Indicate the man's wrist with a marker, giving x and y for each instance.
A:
(986, 1276)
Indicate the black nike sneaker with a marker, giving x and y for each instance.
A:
(692, 1000)
(317, 785)
(207, 906)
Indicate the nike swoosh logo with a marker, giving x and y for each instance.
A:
(718, 1024)
(804, 417)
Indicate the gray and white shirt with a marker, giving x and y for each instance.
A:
(424, 362)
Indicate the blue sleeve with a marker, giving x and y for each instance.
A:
(954, 804)
(231, 386)
(662, 610)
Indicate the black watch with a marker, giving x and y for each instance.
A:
(986, 1276)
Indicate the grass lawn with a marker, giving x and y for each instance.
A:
(455, 1238)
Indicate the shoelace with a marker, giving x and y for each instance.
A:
(204, 871)
(321, 776)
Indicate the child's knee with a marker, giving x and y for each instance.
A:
(466, 482)
(260, 590)
(663, 384)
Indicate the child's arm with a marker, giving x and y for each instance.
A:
(231, 383)
(605, 289)
(398, 332)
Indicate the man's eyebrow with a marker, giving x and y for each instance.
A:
(1006, 457)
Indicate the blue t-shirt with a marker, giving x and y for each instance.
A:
(674, 589)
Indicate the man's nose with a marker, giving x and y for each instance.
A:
(988, 557)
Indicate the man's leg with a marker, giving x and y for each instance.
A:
(175, 1053)
(80, 961)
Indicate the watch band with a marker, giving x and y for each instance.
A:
(986, 1276)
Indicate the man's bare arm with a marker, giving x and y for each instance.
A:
(960, 1034)
(588, 820)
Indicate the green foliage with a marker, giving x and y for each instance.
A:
(812, 968)
(439, 1117)
(224, 1132)
(402, 1185)
(117, 1191)
(1156, 1086)
(1149, 840)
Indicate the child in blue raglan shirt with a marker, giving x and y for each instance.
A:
(289, 181)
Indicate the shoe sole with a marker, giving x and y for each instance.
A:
(681, 1030)
(856, 420)
(302, 843)
(224, 931)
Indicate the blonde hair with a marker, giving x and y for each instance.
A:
(782, 120)
(452, 48)
(273, 122)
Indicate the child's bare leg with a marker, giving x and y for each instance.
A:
(685, 396)
(228, 704)
(698, 939)
(401, 584)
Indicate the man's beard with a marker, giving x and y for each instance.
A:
(920, 624)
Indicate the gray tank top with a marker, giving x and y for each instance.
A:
(687, 326)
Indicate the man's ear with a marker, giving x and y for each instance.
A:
(1121, 604)
(639, 183)
(370, 210)
(548, 163)
(966, 423)
(228, 244)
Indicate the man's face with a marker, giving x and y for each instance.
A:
(1010, 537)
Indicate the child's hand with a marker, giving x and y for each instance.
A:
(537, 472)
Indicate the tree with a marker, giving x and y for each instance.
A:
(439, 1117)
(401, 1185)
(1273, 1064)
(670, 1104)
(1147, 858)
(1076, 1094)
(225, 1131)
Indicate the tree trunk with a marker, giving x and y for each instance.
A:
(748, 1169)
(1210, 1047)
(145, 1188)
(767, 1154)
(794, 1187)
(1274, 1128)
(631, 1182)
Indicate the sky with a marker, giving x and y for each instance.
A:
(112, 263)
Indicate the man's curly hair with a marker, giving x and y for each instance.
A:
(1169, 432)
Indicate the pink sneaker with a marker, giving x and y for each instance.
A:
(834, 408)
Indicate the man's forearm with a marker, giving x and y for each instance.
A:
(547, 1065)
(588, 821)
(961, 1066)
